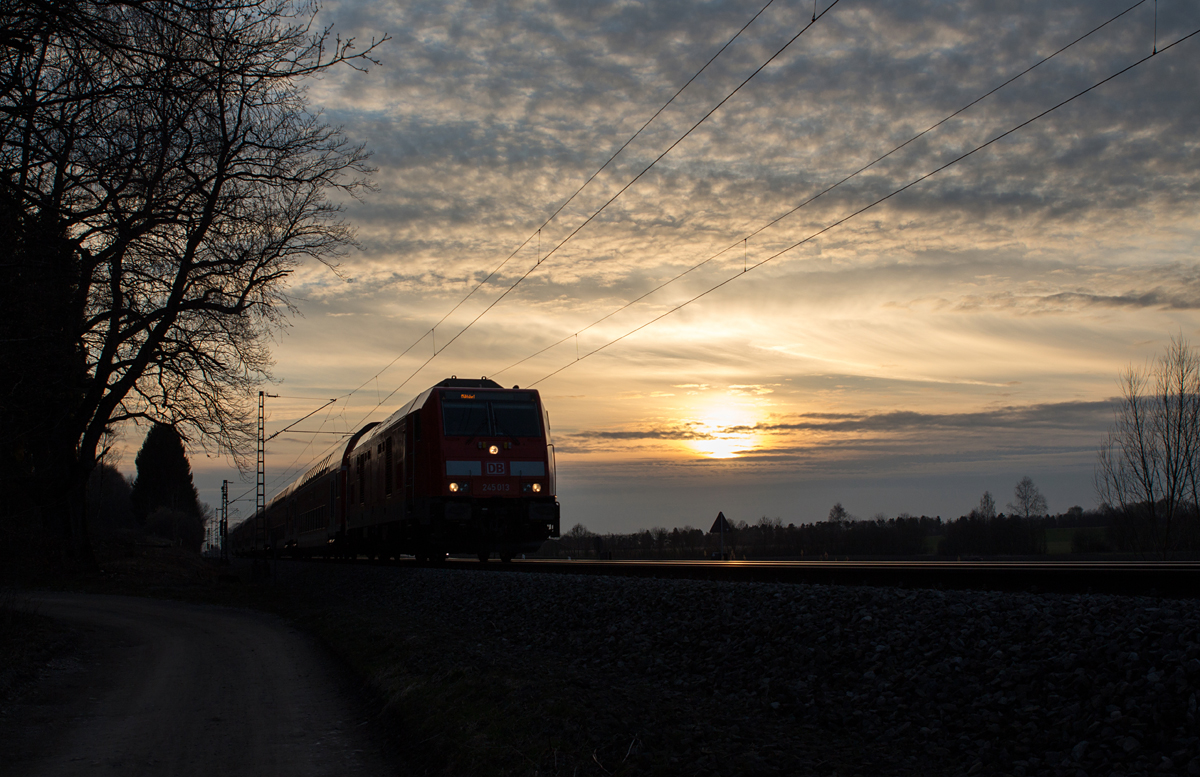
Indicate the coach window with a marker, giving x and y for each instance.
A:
(387, 466)
(362, 478)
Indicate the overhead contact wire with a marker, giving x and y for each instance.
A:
(567, 202)
(647, 169)
(538, 231)
(612, 199)
(742, 241)
(609, 161)
(871, 205)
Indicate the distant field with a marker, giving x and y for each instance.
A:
(1062, 541)
(1058, 541)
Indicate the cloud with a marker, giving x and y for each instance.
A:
(486, 119)
(750, 390)
(1085, 416)
(1063, 415)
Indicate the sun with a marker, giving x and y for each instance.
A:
(727, 431)
(722, 447)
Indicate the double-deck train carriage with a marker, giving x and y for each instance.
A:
(465, 467)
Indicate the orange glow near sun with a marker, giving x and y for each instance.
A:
(726, 428)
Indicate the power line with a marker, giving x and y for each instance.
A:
(635, 179)
(789, 248)
(759, 69)
(302, 418)
(568, 201)
(742, 241)
(538, 231)
(865, 208)
(285, 474)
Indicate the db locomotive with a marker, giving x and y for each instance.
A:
(465, 467)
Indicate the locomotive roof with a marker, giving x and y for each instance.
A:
(456, 382)
(420, 400)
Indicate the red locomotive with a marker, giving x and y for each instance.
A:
(465, 467)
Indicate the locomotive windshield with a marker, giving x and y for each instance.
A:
(508, 414)
(465, 418)
(516, 419)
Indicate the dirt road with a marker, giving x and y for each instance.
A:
(164, 688)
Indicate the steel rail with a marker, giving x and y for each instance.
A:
(1171, 579)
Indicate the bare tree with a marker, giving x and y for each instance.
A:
(986, 508)
(1146, 471)
(1028, 500)
(160, 163)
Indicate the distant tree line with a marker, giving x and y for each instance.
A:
(981, 532)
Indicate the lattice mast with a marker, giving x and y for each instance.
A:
(224, 527)
(260, 497)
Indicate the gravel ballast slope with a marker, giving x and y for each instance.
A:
(509, 672)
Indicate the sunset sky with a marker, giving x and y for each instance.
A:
(960, 335)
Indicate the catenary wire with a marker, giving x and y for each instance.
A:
(871, 205)
(814, 235)
(816, 17)
(568, 201)
(538, 231)
(604, 166)
(743, 240)
(635, 179)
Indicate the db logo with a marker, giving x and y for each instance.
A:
(496, 468)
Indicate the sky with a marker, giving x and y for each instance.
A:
(959, 335)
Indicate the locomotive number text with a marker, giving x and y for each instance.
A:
(495, 487)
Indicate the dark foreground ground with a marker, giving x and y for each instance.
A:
(140, 686)
(514, 673)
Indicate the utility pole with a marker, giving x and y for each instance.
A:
(224, 520)
(260, 498)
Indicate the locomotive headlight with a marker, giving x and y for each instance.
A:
(454, 488)
(537, 488)
(493, 450)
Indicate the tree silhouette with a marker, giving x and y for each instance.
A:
(164, 498)
(1027, 500)
(1148, 469)
(162, 174)
(986, 508)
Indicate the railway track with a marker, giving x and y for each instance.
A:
(1172, 579)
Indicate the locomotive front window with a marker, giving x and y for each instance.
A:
(516, 419)
(465, 419)
(510, 416)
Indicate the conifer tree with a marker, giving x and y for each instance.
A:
(164, 483)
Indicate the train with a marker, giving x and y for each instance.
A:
(466, 467)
